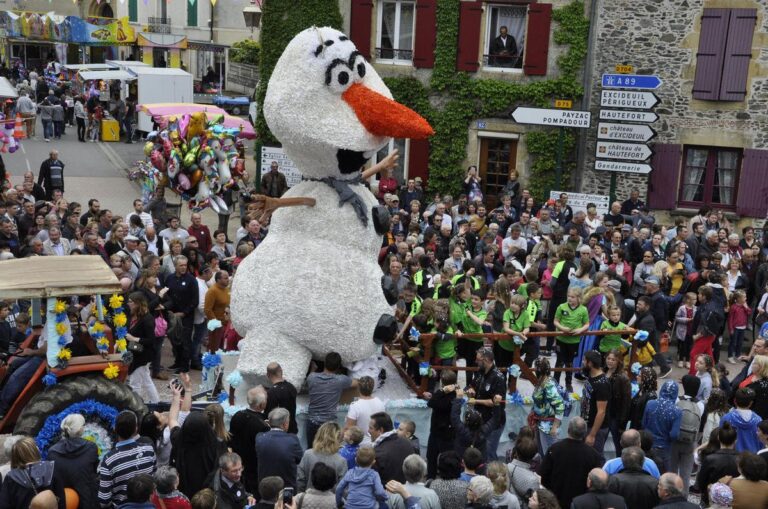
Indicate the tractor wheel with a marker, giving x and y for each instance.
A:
(75, 390)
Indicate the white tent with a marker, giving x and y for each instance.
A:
(6, 89)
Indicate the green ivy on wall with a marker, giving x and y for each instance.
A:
(466, 99)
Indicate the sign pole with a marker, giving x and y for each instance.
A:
(612, 191)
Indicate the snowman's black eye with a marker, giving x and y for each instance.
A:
(343, 78)
(361, 69)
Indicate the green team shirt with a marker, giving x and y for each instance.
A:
(470, 327)
(517, 323)
(446, 348)
(611, 341)
(558, 269)
(571, 319)
(415, 306)
(532, 308)
(523, 290)
(457, 311)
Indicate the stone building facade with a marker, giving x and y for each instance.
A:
(712, 144)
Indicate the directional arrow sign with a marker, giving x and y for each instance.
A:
(631, 151)
(635, 81)
(624, 132)
(640, 168)
(628, 99)
(646, 117)
(559, 118)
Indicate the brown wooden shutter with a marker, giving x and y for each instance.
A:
(537, 39)
(424, 43)
(738, 53)
(361, 15)
(469, 36)
(753, 184)
(711, 53)
(418, 160)
(664, 177)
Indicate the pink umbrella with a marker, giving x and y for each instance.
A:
(160, 110)
(232, 122)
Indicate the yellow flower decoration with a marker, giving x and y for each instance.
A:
(59, 307)
(115, 301)
(111, 371)
(61, 328)
(98, 327)
(120, 320)
(121, 345)
(65, 354)
(103, 342)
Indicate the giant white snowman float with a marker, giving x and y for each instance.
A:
(313, 285)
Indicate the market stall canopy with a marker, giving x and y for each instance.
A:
(106, 75)
(56, 276)
(88, 67)
(246, 129)
(6, 89)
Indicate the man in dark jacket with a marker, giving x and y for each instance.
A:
(76, 460)
(244, 427)
(598, 495)
(487, 383)
(671, 493)
(226, 484)
(566, 465)
(51, 174)
(645, 321)
(441, 431)
(182, 299)
(633, 483)
(282, 448)
(391, 449)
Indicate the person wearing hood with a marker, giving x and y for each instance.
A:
(662, 419)
(744, 420)
(195, 449)
(28, 476)
(362, 484)
(76, 460)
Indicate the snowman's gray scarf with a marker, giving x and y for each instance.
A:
(347, 195)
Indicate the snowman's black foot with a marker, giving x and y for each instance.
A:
(386, 330)
(381, 219)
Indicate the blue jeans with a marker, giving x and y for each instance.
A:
(492, 443)
(600, 438)
(735, 343)
(198, 334)
(19, 374)
(664, 454)
(47, 129)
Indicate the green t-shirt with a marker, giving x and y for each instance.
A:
(517, 323)
(611, 341)
(457, 312)
(415, 306)
(572, 319)
(445, 348)
(533, 307)
(470, 327)
(523, 290)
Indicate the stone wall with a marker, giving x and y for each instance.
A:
(661, 37)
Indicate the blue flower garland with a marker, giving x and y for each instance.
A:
(211, 360)
(50, 379)
(89, 408)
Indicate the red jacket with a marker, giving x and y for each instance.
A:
(203, 236)
(627, 272)
(738, 316)
(179, 501)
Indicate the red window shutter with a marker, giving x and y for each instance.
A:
(361, 16)
(418, 160)
(469, 36)
(537, 39)
(738, 53)
(753, 184)
(426, 25)
(664, 177)
(711, 53)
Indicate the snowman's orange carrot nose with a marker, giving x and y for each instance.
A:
(382, 116)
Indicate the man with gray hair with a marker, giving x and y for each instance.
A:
(245, 426)
(415, 472)
(633, 483)
(51, 174)
(598, 495)
(671, 493)
(567, 463)
(282, 448)
(480, 492)
(167, 488)
(227, 485)
(630, 438)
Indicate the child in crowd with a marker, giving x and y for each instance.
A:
(546, 296)
(612, 341)
(745, 421)
(738, 318)
(407, 430)
(572, 320)
(362, 484)
(352, 438)
(684, 329)
(230, 337)
(533, 309)
(21, 333)
(6, 332)
(517, 325)
(475, 316)
(473, 460)
(705, 370)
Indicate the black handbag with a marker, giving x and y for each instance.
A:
(135, 347)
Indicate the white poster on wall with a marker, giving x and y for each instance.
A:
(579, 201)
(286, 166)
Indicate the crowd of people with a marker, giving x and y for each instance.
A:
(459, 270)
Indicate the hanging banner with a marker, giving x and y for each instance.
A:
(69, 29)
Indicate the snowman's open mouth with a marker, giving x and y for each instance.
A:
(350, 161)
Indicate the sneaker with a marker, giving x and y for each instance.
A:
(731, 360)
(679, 364)
(687, 365)
(664, 374)
(47, 140)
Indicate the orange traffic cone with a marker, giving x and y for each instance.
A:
(18, 128)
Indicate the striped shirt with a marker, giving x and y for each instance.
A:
(128, 459)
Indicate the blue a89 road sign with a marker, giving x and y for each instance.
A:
(640, 82)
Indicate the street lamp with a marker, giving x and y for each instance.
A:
(252, 15)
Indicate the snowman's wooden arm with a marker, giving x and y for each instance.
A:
(266, 205)
(388, 162)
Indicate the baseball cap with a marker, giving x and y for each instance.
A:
(614, 285)
(652, 280)
(132, 238)
(626, 228)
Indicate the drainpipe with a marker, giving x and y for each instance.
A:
(581, 155)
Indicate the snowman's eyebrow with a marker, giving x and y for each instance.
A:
(320, 48)
(339, 61)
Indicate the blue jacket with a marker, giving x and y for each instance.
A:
(365, 489)
(746, 430)
(662, 417)
(283, 453)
